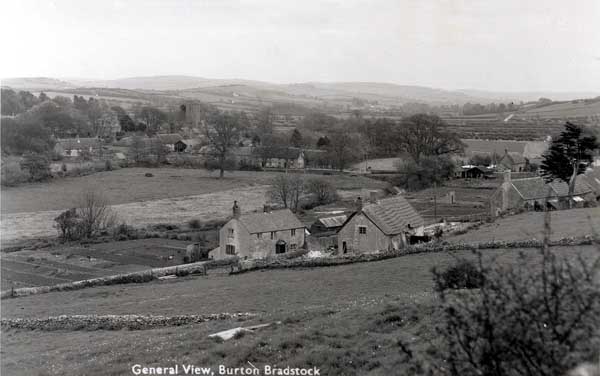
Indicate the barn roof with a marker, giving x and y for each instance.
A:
(336, 221)
(169, 138)
(276, 220)
(393, 215)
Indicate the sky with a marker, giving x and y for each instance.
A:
(501, 45)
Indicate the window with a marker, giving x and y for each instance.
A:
(231, 232)
(362, 230)
(230, 249)
(292, 247)
(272, 235)
(259, 235)
(293, 232)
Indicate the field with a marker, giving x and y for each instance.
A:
(74, 263)
(329, 318)
(525, 226)
(170, 196)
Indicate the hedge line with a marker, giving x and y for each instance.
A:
(282, 263)
(114, 322)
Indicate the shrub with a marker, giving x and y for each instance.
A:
(38, 166)
(195, 223)
(534, 317)
(108, 165)
(12, 175)
(463, 275)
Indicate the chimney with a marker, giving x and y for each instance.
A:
(373, 197)
(237, 212)
(359, 203)
(507, 178)
(266, 208)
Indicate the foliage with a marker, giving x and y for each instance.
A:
(37, 165)
(296, 138)
(14, 103)
(25, 135)
(12, 175)
(152, 117)
(428, 171)
(480, 160)
(94, 214)
(222, 131)
(427, 135)
(323, 191)
(571, 152)
(342, 149)
(534, 317)
(463, 275)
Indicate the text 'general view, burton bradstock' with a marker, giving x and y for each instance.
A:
(361, 187)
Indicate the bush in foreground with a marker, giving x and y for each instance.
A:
(463, 275)
(531, 318)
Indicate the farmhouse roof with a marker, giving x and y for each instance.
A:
(494, 146)
(533, 188)
(562, 188)
(78, 143)
(276, 220)
(393, 215)
(169, 138)
(592, 177)
(513, 158)
(331, 222)
(278, 152)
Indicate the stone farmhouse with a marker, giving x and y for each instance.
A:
(259, 235)
(383, 224)
(75, 147)
(536, 194)
(172, 141)
(514, 162)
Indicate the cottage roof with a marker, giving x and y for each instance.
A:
(278, 152)
(592, 177)
(276, 220)
(562, 188)
(514, 158)
(78, 143)
(393, 215)
(493, 146)
(532, 188)
(331, 222)
(169, 138)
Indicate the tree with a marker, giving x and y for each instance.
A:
(296, 138)
(342, 149)
(428, 171)
(323, 142)
(222, 132)
(38, 166)
(286, 189)
(137, 150)
(425, 135)
(94, 213)
(480, 160)
(323, 191)
(569, 155)
(152, 117)
(25, 134)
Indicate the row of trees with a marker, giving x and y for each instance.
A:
(293, 191)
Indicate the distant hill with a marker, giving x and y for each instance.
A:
(340, 93)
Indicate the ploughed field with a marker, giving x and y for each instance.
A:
(345, 319)
(170, 196)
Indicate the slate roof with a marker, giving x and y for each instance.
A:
(393, 215)
(276, 220)
(78, 143)
(515, 158)
(336, 221)
(532, 188)
(537, 188)
(562, 188)
(169, 138)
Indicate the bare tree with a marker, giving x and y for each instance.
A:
(137, 149)
(223, 132)
(287, 189)
(94, 213)
(323, 191)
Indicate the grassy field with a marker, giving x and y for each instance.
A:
(346, 319)
(565, 223)
(170, 196)
(74, 263)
